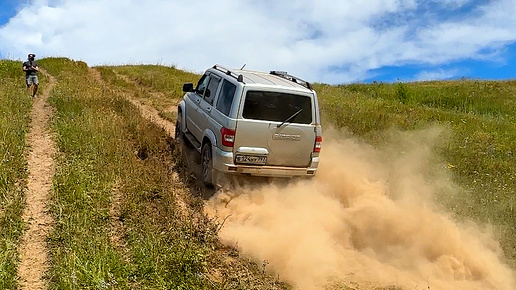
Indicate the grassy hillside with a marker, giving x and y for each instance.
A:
(478, 116)
(158, 86)
(15, 105)
(118, 224)
(118, 220)
(478, 149)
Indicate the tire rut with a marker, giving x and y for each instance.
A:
(152, 115)
(33, 249)
(226, 266)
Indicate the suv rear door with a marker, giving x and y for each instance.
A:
(206, 105)
(193, 111)
(278, 125)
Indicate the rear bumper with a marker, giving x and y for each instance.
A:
(223, 162)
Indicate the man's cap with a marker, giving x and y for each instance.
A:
(32, 55)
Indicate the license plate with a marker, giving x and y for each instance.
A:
(250, 159)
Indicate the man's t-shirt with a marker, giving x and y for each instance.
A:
(28, 64)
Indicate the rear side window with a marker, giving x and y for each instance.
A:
(227, 93)
(278, 107)
(210, 92)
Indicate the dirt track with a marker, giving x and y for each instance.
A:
(33, 249)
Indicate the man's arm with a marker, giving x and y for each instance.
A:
(30, 67)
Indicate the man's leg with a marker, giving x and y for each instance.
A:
(36, 85)
(35, 90)
(28, 81)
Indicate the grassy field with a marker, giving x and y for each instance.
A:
(157, 86)
(478, 149)
(15, 105)
(117, 219)
(118, 223)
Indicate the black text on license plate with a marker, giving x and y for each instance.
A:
(249, 159)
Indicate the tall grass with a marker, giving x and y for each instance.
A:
(479, 151)
(161, 78)
(478, 115)
(159, 86)
(107, 153)
(106, 148)
(15, 105)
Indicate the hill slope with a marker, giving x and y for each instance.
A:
(129, 214)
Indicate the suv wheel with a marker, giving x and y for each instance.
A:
(207, 165)
(178, 134)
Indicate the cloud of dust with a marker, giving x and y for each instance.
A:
(366, 219)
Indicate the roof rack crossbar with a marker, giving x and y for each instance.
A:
(292, 78)
(239, 77)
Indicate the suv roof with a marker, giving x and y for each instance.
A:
(274, 78)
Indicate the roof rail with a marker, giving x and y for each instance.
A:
(292, 78)
(239, 77)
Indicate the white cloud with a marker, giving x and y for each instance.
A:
(438, 74)
(326, 41)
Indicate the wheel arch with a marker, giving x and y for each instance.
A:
(210, 137)
(181, 109)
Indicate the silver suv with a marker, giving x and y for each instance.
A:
(251, 123)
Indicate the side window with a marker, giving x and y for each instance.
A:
(227, 93)
(202, 84)
(211, 90)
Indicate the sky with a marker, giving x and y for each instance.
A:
(325, 41)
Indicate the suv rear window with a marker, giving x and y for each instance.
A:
(226, 97)
(278, 107)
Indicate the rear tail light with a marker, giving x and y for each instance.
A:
(317, 146)
(228, 137)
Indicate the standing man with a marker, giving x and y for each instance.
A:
(31, 68)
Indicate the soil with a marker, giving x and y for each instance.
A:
(33, 248)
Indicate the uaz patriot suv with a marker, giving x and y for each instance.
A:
(251, 123)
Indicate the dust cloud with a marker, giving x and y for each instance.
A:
(366, 221)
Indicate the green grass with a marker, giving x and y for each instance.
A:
(160, 78)
(159, 86)
(15, 105)
(98, 133)
(479, 149)
(107, 150)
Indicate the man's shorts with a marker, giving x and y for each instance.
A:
(32, 79)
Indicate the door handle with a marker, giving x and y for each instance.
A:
(208, 109)
(198, 100)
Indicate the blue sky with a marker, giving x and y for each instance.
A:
(327, 41)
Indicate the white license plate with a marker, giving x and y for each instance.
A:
(249, 159)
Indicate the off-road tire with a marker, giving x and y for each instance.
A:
(207, 165)
(179, 134)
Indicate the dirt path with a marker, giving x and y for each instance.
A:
(148, 112)
(224, 265)
(151, 114)
(33, 248)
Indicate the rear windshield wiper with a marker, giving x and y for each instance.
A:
(290, 118)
